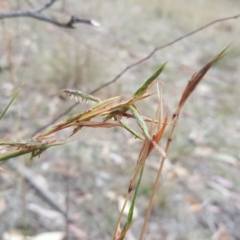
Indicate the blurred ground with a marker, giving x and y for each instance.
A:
(199, 195)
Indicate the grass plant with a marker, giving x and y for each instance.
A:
(112, 112)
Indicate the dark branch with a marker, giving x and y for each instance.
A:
(137, 63)
(36, 14)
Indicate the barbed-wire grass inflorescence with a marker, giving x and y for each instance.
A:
(112, 111)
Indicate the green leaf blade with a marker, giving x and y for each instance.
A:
(9, 104)
(147, 83)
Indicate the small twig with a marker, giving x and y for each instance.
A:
(69, 24)
(45, 195)
(36, 14)
(49, 198)
(135, 64)
(161, 47)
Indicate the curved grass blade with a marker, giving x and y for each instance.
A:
(131, 210)
(106, 102)
(147, 83)
(9, 104)
(136, 134)
(140, 121)
(197, 77)
(28, 149)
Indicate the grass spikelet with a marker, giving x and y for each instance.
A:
(80, 96)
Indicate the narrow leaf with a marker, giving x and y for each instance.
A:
(131, 210)
(141, 123)
(147, 83)
(9, 104)
(136, 134)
